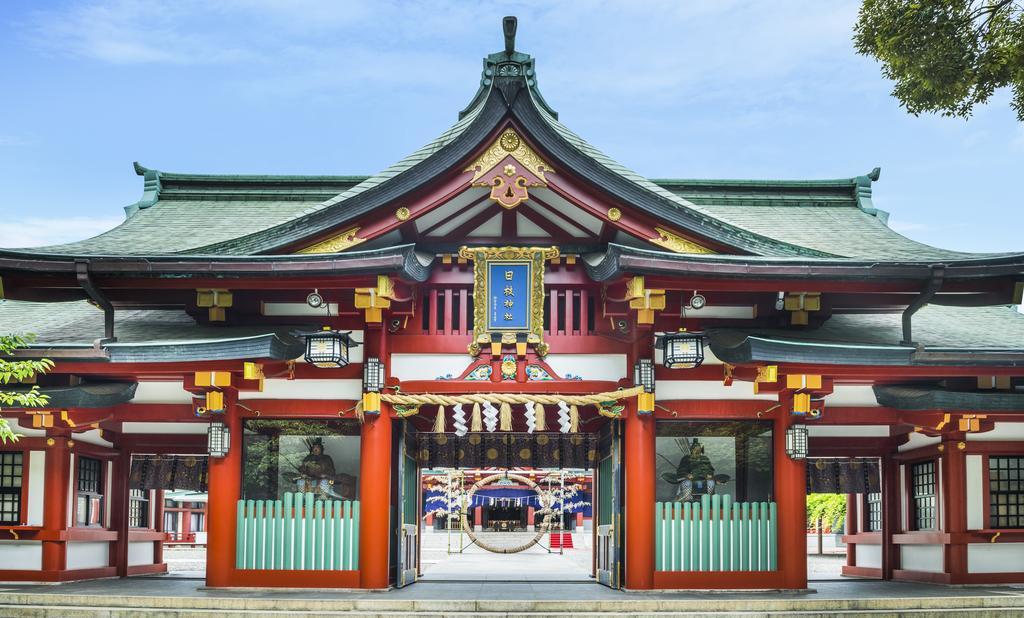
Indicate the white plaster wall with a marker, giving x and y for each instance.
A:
(995, 558)
(307, 389)
(917, 440)
(36, 476)
(161, 392)
(975, 493)
(590, 366)
(869, 556)
(927, 558)
(21, 555)
(847, 431)
(140, 552)
(1001, 431)
(92, 437)
(88, 554)
(668, 390)
(850, 395)
(166, 428)
(428, 366)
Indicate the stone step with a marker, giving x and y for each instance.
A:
(81, 611)
(71, 605)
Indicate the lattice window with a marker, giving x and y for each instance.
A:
(873, 510)
(1006, 492)
(11, 470)
(138, 508)
(923, 498)
(89, 499)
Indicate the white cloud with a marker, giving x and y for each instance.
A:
(38, 231)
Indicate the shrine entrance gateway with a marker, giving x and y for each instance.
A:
(512, 505)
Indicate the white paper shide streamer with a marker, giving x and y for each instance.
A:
(531, 418)
(459, 419)
(563, 417)
(490, 416)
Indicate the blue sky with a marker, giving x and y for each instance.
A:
(715, 89)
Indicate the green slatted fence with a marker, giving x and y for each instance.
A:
(297, 533)
(716, 534)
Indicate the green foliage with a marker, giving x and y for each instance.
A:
(829, 508)
(946, 56)
(18, 371)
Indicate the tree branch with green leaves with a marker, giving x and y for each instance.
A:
(946, 56)
(18, 371)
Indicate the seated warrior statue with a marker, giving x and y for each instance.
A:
(694, 472)
(316, 472)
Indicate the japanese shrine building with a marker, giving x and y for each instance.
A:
(511, 297)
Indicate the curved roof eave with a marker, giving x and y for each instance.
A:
(620, 260)
(403, 260)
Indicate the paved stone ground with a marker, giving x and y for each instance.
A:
(476, 564)
(152, 586)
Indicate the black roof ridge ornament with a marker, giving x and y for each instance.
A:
(508, 25)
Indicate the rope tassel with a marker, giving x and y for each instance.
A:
(574, 419)
(541, 416)
(476, 425)
(506, 416)
(439, 420)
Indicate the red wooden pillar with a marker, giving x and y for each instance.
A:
(158, 524)
(225, 480)
(954, 506)
(852, 526)
(890, 515)
(639, 489)
(375, 480)
(56, 485)
(791, 501)
(119, 504)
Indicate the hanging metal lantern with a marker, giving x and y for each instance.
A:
(796, 442)
(643, 374)
(373, 375)
(328, 348)
(682, 350)
(218, 439)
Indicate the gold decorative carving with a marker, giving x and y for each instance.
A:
(402, 214)
(481, 256)
(676, 243)
(614, 214)
(510, 183)
(335, 244)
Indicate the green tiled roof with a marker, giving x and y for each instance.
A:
(935, 327)
(243, 215)
(180, 212)
(80, 323)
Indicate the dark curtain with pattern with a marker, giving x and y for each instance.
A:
(843, 476)
(506, 450)
(185, 472)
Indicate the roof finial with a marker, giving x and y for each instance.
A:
(508, 24)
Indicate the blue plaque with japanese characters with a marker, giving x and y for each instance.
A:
(508, 295)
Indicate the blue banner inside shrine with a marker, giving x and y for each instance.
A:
(508, 296)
